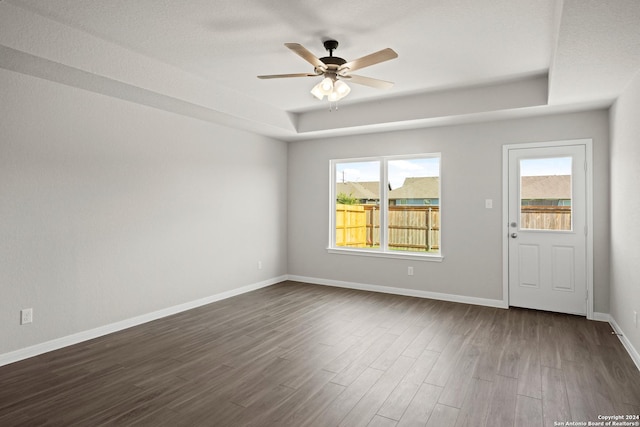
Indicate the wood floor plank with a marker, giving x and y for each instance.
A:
(355, 351)
(310, 409)
(619, 371)
(410, 317)
(476, 404)
(403, 394)
(267, 403)
(379, 421)
(626, 409)
(490, 344)
(502, 406)
(445, 365)
(386, 359)
(421, 406)
(347, 400)
(254, 387)
(295, 354)
(528, 412)
(355, 368)
(555, 404)
(366, 408)
(287, 409)
(529, 370)
(398, 401)
(421, 341)
(509, 359)
(585, 400)
(550, 342)
(461, 378)
(443, 415)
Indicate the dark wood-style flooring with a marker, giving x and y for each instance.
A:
(295, 354)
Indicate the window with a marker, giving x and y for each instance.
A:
(386, 206)
(545, 194)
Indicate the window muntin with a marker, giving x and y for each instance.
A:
(402, 216)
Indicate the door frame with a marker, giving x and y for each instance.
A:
(588, 143)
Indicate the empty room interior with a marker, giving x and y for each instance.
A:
(250, 213)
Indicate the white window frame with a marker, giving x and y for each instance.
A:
(383, 251)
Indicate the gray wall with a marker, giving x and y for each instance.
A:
(471, 173)
(625, 211)
(111, 210)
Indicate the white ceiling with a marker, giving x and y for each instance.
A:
(201, 57)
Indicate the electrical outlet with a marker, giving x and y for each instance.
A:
(26, 316)
(410, 271)
(259, 265)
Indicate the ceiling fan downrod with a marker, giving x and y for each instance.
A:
(332, 45)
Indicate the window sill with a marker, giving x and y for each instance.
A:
(392, 255)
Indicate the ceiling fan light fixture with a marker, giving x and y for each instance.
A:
(326, 86)
(341, 88)
(317, 91)
(331, 68)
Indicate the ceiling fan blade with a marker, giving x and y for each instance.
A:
(306, 55)
(368, 81)
(374, 58)
(282, 76)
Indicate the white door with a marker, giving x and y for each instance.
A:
(547, 228)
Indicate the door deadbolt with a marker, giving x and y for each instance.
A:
(514, 235)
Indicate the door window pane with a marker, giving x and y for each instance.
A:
(545, 194)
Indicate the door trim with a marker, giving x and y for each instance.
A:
(588, 143)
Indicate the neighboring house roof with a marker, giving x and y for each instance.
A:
(549, 187)
(359, 190)
(417, 188)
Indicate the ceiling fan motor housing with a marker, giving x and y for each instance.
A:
(332, 62)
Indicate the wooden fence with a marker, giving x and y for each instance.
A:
(351, 226)
(413, 228)
(545, 217)
(417, 228)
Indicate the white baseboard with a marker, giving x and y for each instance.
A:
(601, 317)
(401, 291)
(635, 356)
(79, 337)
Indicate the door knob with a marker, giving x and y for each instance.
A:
(514, 235)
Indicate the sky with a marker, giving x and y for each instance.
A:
(398, 170)
(551, 166)
(404, 168)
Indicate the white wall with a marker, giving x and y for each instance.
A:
(471, 234)
(111, 210)
(625, 211)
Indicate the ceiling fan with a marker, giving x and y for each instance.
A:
(335, 69)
